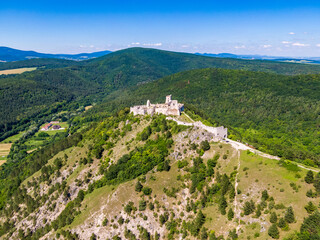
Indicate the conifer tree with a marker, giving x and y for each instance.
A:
(230, 214)
(273, 231)
(273, 217)
(289, 216)
(309, 177)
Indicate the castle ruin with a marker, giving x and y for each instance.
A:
(170, 107)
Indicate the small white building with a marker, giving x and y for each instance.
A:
(170, 107)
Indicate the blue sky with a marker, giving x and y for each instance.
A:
(279, 28)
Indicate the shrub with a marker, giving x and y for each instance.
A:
(204, 145)
(138, 186)
(146, 190)
(142, 205)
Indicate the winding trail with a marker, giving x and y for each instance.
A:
(237, 210)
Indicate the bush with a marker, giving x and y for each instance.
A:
(204, 145)
(142, 205)
(138, 186)
(147, 191)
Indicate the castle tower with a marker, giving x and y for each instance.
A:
(148, 103)
(168, 99)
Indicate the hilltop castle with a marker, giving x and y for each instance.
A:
(170, 107)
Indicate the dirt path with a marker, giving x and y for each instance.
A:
(189, 117)
(237, 210)
(241, 146)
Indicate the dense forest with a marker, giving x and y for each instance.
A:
(23, 96)
(276, 113)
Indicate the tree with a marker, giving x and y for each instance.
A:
(311, 225)
(273, 231)
(204, 234)
(223, 205)
(233, 234)
(316, 183)
(264, 195)
(273, 217)
(309, 177)
(138, 186)
(142, 205)
(249, 207)
(204, 145)
(147, 191)
(310, 207)
(289, 215)
(282, 223)
(230, 214)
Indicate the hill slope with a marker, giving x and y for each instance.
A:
(276, 113)
(101, 76)
(137, 178)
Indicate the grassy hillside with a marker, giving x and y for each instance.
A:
(275, 113)
(141, 178)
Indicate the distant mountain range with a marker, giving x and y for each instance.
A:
(314, 60)
(10, 55)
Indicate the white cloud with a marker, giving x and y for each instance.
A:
(318, 45)
(285, 42)
(297, 44)
(135, 43)
(152, 44)
(240, 47)
(91, 46)
(267, 46)
(291, 33)
(185, 46)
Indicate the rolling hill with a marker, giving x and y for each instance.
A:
(10, 55)
(276, 113)
(25, 95)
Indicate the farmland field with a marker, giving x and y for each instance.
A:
(16, 71)
(4, 151)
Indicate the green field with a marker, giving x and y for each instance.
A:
(13, 138)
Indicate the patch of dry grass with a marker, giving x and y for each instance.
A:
(16, 71)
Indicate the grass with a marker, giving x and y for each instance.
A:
(263, 173)
(4, 150)
(13, 138)
(184, 118)
(16, 71)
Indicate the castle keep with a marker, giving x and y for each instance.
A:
(170, 107)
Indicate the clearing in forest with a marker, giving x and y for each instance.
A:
(16, 71)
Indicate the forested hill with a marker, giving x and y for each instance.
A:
(10, 54)
(39, 63)
(23, 96)
(276, 113)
